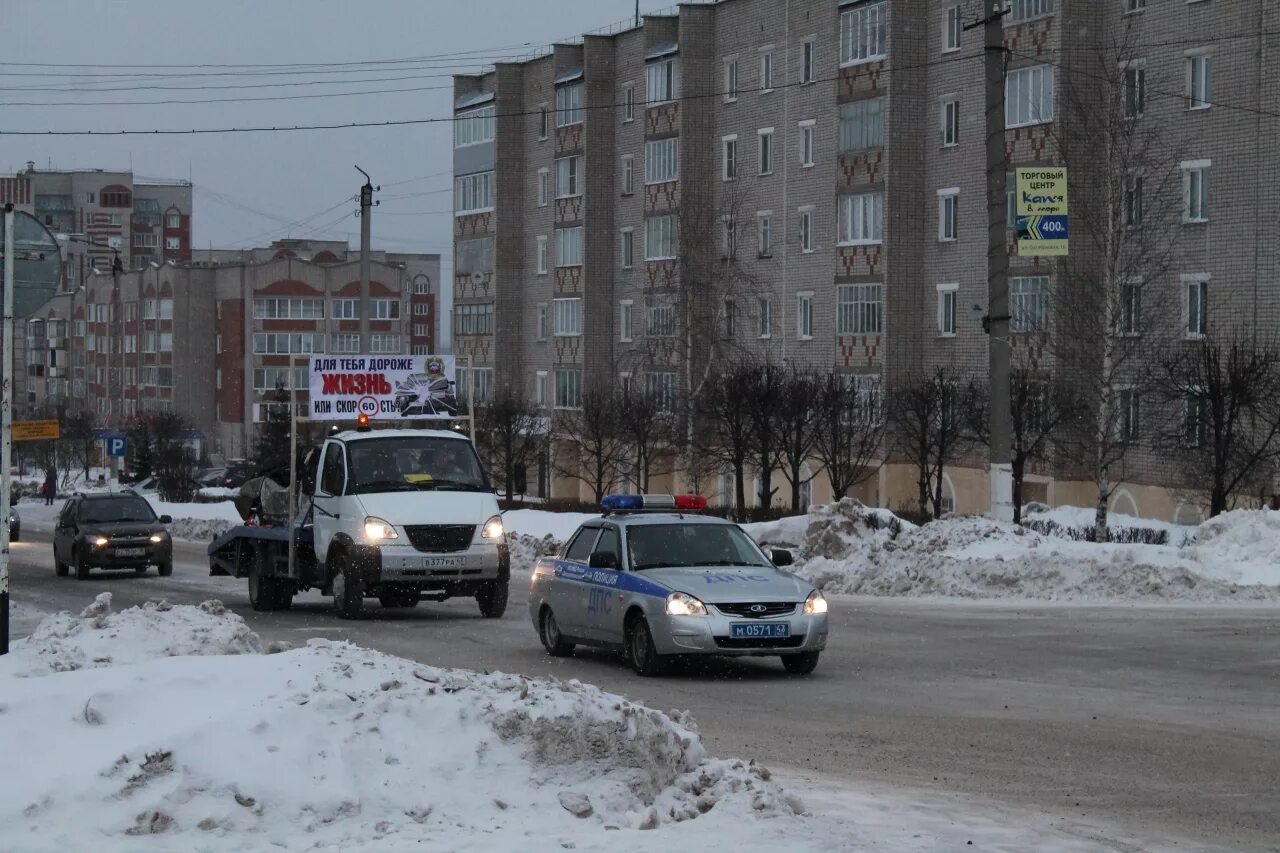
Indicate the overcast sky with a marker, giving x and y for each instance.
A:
(264, 181)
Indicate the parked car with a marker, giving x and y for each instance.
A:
(236, 475)
(210, 476)
(15, 525)
(113, 531)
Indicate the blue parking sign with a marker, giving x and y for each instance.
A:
(117, 446)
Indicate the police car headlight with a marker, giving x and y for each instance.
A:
(683, 604)
(493, 528)
(815, 603)
(377, 530)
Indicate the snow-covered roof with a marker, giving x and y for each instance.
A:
(354, 435)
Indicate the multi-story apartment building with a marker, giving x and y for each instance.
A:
(817, 169)
(214, 339)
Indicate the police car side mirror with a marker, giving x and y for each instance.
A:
(603, 560)
(781, 557)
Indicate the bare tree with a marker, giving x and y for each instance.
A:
(648, 429)
(929, 430)
(724, 415)
(1221, 415)
(509, 433)
(762, 383)
(592, 447)
(848, 433)
(174, 462)
(1126, 195)
(79, 435)
(797, 419)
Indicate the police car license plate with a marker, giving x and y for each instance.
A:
(130, 552)
(759, 630)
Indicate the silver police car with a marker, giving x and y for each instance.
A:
(657, 582)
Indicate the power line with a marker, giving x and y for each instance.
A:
(233, 100)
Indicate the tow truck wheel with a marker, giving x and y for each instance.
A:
(492, 599)
(641, 653)
(348, 590)
(552, 640)
(267, 593)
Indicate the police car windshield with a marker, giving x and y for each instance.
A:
(661, 546)
(412, 464)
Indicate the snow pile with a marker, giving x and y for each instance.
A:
(333, 747)
(534, 533)
(200, 529)
(1242, 545)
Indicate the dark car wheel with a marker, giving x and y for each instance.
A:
(60, 568)
(82, 568)
(552, 640)
(15, 534)
(801, 664)
(164, 569)
(641, 653)
(141, 570)
(348, 590)
(492, 599)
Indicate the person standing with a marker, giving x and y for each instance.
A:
(50, 487)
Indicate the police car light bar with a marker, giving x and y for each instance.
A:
(653, 503)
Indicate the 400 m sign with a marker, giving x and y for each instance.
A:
(386, 388)
(1042, 211)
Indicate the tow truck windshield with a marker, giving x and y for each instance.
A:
(413, 464)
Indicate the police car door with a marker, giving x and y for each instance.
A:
(567, 592)
(603, 606)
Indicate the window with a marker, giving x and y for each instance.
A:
(868, 402)
(1130, 318)
(766, 71)
(345, 309)
(543, 322)
(568, 177)
(628, 175)
(173, 220)
(166, 309)
(1196, 418)
(1128, 420)
(731, 79)
(1029, 304)
(804, 316)
(568, 317)
(1196, 288)
(628, 103)
(950, 121)
(628, 248)
(569, 105)
(806, 229)
(862, 33)
(288, 309)
(862, 218)
(661, 388)
(764, 313)
(660, 317)
(473, 193)
(148, 342)
(858, 309)
(542, 255)
(285, 344)
(473, 255)
(288, 378)
(626, 321)
(1199, 81)
(118, 242)
(90, 198)
(661, 161)
(1133, 201)
(862, 125)
(1135, 89)
(544, 123)
(474, 319)
(420, 330)
(729, 241)
(473, 127)
(117, 198)
(346, 343)
(384, 344)
(729, 320)
(948, 207)
(145, 241)
(170, 243)
(1028, 94)
(544, 187)
(384, 309)
(421, 349)
(730, 157)
(1025, 10)
(662, 81)
(568, 389)
(540, 389)
(569, 247)
(808, 61)
(952, 25)
(766, 151)
(807, 134)
(764, 234)
(947, 309)
(660, 237)
(1195, 191)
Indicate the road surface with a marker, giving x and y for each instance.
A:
(1163, 722)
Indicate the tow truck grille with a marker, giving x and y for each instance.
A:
(750, 609)
(441, 538)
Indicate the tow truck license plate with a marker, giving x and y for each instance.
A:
(130, 552)
(759, 630)
(444, 563)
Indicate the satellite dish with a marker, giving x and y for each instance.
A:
(477, 277)
(37, 264)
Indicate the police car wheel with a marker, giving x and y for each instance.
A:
(801, 664)
(641, 653)
(552, 640)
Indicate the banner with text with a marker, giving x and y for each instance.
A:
(384, 387)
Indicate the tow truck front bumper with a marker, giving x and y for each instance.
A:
(460, 573)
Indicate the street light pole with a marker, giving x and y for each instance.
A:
(6, 427)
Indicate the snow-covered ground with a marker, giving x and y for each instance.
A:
(198, 522)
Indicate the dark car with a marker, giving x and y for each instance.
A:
(236, 475)
(118, 531)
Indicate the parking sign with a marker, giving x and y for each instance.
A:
(117, 446)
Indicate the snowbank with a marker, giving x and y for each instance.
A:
(334, 747)
(534, 533)
(1242, 546)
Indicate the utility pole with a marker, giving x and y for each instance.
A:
(366, 227)
(113, 340)
(6, 426)
(996, 322)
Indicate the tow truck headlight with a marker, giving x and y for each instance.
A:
(815, 604)
(101, 541)
(493, 528)
(683, 604)
(377, 530)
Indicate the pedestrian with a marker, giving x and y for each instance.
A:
(50, 487)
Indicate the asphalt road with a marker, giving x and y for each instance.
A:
(1162, 721)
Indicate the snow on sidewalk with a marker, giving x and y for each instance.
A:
(173, 722)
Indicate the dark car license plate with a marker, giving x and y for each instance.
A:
(131, 552)
(759, 630)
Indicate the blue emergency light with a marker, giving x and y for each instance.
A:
(652, 503)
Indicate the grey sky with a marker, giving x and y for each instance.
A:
(288, 176)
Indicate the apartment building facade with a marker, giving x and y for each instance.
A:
(818, 166)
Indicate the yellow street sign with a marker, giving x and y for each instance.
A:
(36, 430)
(1042, 191)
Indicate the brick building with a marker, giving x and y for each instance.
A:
(832, 154)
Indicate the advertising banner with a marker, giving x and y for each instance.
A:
(1043, 229)
(384, 387)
